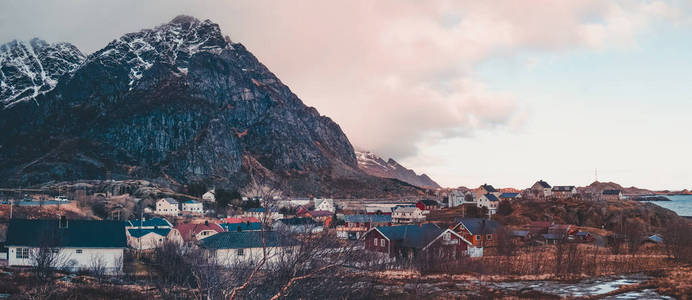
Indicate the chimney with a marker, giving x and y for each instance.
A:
(63, 222)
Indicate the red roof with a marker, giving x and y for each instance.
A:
(188, 230)
(241, 220)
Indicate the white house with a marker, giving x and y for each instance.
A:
(149, 234)
(258, 213)
(209, 196)
(247, 247)
(193, 206)
(407, 214)
(489, 201)
(74, 244)
(167, 206)
(325, 204)
(458, 197)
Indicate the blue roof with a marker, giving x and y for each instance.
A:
(656, 238)
(368, 218)
(413, 236)
(244, 226)
(611, 192)
(245, 239)
(78, 233)
(298, 221)
(509, 195)
(551, 236)
(491, 197)
(160, 222)
(136, 232)
(478, 225)
(521, 233)
(192, 201)
(489, 188)
(256, 209)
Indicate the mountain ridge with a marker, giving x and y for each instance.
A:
(182, 103)
(376, 166)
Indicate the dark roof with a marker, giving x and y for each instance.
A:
(321, 213)
(245, 239)
(478, 225)
(563, 188)
(79, 233)
(428, 202)
(256, 209)
(412, 236)
(488, 188)
(544, 184)
(243, 226)
(160, 222)
(509, 195)
(171, 200)
(297, 221)
(611, 192)
(136, 232)
(491, 197)
(368, 218)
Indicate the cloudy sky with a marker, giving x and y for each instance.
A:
(469, 92)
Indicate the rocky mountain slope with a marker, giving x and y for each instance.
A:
(376, 166)
(180, 103)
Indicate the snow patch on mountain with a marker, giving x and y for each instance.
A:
(28, 70)
(374, 165)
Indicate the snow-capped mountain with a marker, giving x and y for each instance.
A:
(376, 166)
(178, 102)
(31, 69)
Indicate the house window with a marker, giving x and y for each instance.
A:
(22, 253)
(489, 237)
(78, 251)
(54, 251)
(375, 240)
(447, 236)
(382, 242)
(241, 252)
(478, 237)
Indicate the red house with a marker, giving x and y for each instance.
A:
(409, 241)
(427, 204)
(480, 232)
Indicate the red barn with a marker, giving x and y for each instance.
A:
(408, 241)
(427, 204)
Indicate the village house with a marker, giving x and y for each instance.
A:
(541, 189)
(409, 241)
(510, 196)
(167, 206)
(325, 204)
(297, 225)
(192, 232)
(247, 247)
(427, 205)
(489, 201)
(486, 189)
(209, 196)
(458, 197)
(612, 195)
(75, 244)
(356, 226)
(407, 214)
(149, 234)
(480, 232)
(193, 206)
(259, 213)
(564, 191)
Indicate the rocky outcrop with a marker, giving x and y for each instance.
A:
(376, 166)
(182, 103)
